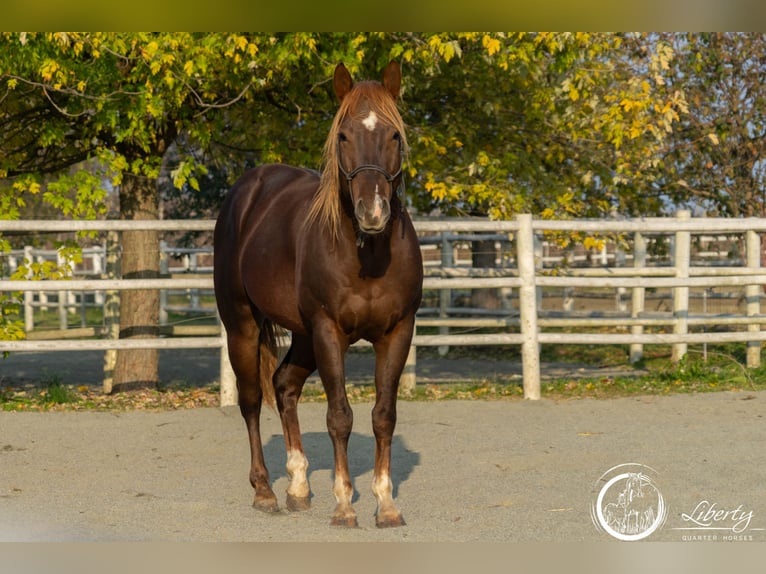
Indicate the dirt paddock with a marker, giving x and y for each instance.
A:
(502, 471)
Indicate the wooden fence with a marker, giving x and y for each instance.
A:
(95, 263)
(526, 325)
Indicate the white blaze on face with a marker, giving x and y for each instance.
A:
(377, 209)
(370, 121)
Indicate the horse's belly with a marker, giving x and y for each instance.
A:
(278, 304)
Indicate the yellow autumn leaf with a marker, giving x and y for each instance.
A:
(491, 44)
(593, 243)
(151, 49)
(574, 94)
(48, 69)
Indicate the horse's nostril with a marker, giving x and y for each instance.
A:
(360, 210)
(380, 208)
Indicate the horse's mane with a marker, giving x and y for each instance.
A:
(326, 207)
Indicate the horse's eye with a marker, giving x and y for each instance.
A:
(342, 137)
(397, 136)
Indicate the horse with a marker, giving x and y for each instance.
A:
(331, 256)
(639, 505)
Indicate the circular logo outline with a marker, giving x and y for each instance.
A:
(635, 482)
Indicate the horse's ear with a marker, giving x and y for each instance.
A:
(342, 81)
(392, 78)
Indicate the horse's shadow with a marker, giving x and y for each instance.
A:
(361, 456)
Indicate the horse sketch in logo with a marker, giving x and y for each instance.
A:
(635, 508)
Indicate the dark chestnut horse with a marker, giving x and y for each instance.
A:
(333, 258)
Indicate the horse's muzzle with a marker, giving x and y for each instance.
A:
(373, 218)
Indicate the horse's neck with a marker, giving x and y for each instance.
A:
(374, 253)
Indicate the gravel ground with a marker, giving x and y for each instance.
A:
(505, 471)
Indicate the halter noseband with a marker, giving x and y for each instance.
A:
(350, 175)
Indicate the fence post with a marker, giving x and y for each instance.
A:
(29, 296)
(64, 299)
(445, 295)
(530, 347)
(621, 298)
(229, 393)
(681, 256)
(409, 378)
(111, 306)
(638, 301)
(192, 268)
(538, 265)
(164, 272)
(753, 297)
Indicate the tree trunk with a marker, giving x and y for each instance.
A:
(139, 309)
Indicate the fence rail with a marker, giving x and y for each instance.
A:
(525, 274)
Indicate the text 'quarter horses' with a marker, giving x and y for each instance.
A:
(333, 258)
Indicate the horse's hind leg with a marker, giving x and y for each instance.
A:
(289, 379)
(243, 354)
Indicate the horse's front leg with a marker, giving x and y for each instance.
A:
(329, 349)
(390, 357)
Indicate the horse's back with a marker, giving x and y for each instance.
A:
(256, 236)
(261, 192)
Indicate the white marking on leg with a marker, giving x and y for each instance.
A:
(341, 491)
(297, 465)
(387, 513)
(382, 487)
(370, 121)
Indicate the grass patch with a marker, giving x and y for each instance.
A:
(55, 396)
(57, 393)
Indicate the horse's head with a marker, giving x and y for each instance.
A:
(370, 144)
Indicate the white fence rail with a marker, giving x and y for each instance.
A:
(527, 325)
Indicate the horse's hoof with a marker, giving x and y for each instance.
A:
(267, 505)
(344, 521)
(298, 503)
(389, 521)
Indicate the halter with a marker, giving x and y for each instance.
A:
(350, 175)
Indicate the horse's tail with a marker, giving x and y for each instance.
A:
(267, 361)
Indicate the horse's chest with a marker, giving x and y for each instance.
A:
(367, 317)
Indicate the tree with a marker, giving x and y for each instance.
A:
(559, 125)
(555, 124)
(716, 157)
(122, 98)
